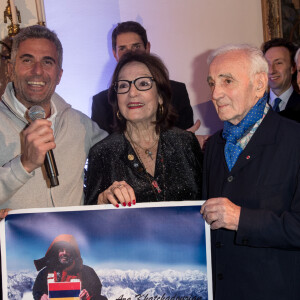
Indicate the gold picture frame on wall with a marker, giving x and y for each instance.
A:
(281, 18)
(271, 16)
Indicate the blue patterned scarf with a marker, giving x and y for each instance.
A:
(233, 133)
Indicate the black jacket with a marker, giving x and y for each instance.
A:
(292, 109)
(178, 169)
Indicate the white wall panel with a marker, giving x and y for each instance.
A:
(181, 32)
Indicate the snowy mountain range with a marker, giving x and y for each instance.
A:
(136, 285)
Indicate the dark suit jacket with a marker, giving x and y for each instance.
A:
(292, 109)
(261, 260)
(102, 112)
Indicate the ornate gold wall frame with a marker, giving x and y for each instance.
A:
(271, 16)
(5, 48)
(281, 18)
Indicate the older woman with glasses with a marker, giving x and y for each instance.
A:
(146, 159)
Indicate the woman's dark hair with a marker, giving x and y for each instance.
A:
(165, 116)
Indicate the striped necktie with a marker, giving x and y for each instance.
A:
(276, 105)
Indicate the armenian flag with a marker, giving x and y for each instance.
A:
(64, 290)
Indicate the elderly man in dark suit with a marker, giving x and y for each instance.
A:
(252, 183)
(131, 36)
(279, 54)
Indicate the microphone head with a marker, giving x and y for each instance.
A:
(36, 112)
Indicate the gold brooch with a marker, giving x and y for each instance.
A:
(130, 157)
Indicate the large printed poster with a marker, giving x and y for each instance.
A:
(146, 252)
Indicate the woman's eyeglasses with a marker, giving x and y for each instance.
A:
(141, 83)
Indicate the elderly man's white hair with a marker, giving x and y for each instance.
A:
(297, 55)
(258, 62)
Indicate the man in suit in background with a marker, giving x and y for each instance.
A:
(279, 54)
(132, 36)
(251, 178)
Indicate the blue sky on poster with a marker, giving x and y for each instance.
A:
(152, 238)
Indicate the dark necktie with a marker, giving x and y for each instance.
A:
(276, 105)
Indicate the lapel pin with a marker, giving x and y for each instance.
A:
(130, 157)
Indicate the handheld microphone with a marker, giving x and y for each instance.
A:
(37, 112)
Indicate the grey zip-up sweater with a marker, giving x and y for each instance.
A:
(74, 135)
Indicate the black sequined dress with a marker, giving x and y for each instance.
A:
(178, 169)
